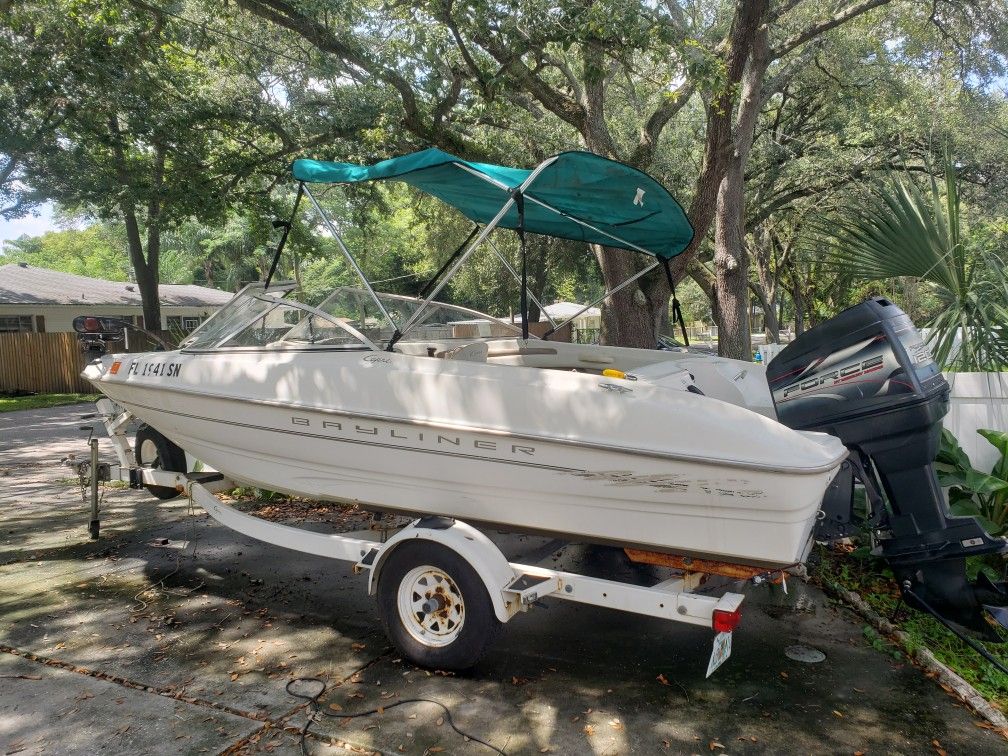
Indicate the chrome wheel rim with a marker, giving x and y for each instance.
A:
(431, 606)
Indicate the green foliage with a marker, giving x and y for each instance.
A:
(141, 119)
(879, 643)
(901, 231)
(972, 492)
(39, 401)
(229, 93)
(95, 251)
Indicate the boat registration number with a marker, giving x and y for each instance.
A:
(720, 653)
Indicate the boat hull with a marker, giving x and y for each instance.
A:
(733, 510)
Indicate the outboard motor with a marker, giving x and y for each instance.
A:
(867, 377)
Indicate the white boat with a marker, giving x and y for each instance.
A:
(409, 405)
(690, 461)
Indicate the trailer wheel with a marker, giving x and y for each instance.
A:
(434, 607)
(155, 451)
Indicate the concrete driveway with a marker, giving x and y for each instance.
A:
(173, 635)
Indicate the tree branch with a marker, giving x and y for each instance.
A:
(285, 15)
(842, 16)
(647, 142)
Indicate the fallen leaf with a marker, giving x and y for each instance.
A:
(358, 646)
(335, 707)
(544, 749)
(784, 675)
(381, 710)
(662, 679)
(440, 721)
(589, 730)
(713, 745)
(616, 724)
(837, 713)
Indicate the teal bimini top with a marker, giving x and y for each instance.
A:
(579, 195)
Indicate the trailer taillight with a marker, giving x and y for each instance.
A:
(725, 621)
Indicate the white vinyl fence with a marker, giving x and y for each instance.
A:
(979, 400)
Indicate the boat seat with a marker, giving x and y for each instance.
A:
(475, 352)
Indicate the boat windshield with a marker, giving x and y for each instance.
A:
(348, 318)
(439, 321)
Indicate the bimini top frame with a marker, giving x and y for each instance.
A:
(572, 195)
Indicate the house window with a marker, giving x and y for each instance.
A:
(181, 324)
(15, 323)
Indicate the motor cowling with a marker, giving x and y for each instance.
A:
(867, 377)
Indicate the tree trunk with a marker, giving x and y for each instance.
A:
(537, 264)
(145, 267)
(766, 286)
(731, 266)
(632, 316)
(770, 320)
(146, 280)
(731, 259)
(799, 309)
(768, 303)
(149, 288)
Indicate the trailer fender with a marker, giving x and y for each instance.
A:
(472, 545)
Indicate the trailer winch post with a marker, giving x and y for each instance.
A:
(94, 525)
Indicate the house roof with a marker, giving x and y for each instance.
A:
(566, 309)
(26, 284)
(562, 311)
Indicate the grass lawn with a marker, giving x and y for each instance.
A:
(14, 403)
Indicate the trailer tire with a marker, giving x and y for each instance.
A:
(459, 624)
(153, 450)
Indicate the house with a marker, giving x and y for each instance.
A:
(562, 311)
(587, 320)
(583, 329)
(40, 300)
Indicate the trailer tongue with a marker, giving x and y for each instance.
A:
(866, 377)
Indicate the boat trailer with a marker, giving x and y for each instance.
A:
(434, 604)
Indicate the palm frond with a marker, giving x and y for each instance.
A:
(901, 231)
